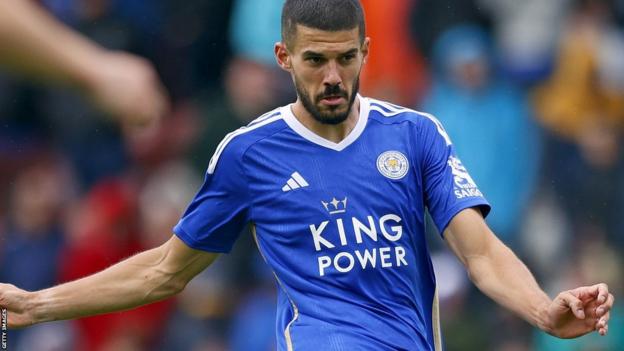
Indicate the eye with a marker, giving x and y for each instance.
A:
(315, 60)
(348, 58)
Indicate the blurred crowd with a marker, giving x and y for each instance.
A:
(531, 93)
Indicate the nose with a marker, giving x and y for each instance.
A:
(332, 74)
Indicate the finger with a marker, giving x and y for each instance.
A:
(605, 307)
(591, 309)
(603, 292)
(603, 331)
(591, 292)
(602, 322)
(567, 300)
(585, 292)
(606, 318)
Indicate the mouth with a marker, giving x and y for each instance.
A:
(333, 100)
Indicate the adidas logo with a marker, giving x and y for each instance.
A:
(296, 181)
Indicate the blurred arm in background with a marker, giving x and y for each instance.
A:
(123, 85)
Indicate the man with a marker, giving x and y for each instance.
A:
(35, 44)
(336, 186)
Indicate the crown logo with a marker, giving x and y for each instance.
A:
(335, 206)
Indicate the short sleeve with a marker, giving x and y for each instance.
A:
(219, 211)
(448, 187)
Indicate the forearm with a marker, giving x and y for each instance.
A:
(495, 269)
(503, 277)
(36, 44)
(136, 281)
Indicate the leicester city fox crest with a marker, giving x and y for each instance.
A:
(393, 164)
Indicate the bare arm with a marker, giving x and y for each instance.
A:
(147, 277)
(496, 271)
(36, 44)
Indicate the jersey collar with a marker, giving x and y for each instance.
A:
(309, 135)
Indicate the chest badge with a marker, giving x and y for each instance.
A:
(392, 164)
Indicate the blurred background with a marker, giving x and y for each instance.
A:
(531, 92)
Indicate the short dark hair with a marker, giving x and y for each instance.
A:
(327, 15)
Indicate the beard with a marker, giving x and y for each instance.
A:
(331, 116)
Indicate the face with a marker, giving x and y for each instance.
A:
(325, 67)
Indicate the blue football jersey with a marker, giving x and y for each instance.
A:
(342, 225)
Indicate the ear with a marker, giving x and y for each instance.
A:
(284, 60)
(365, 48)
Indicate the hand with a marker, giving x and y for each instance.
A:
(16, 301)
(127, 87)
(580, 311)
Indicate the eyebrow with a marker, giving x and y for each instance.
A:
(350, 52)
(310, 53)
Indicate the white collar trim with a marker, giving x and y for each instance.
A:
(309, 135)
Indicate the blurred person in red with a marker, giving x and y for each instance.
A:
(396, 70)
(103, 230)
(124, 85)
(124, 215)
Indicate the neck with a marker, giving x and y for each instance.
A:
(332, 132)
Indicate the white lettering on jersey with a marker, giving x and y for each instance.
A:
(367, 258)
(341, 232)
(341, 267)
(318, 239)
(359, 227)
(343, 262)
(400, 256)
(323, 262)
(384, 254)
(395, 233)
(464, 185)
(397, 229)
